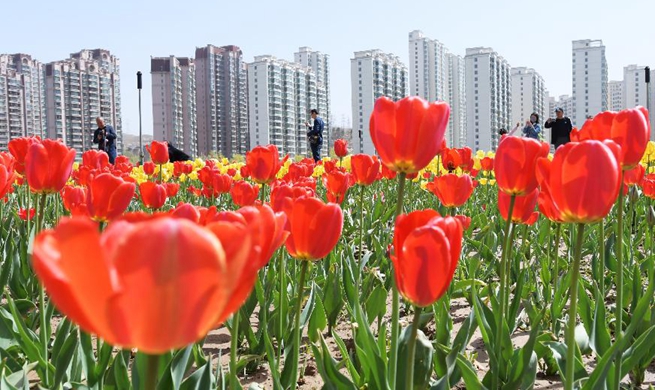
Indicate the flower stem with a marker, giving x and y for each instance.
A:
(393, 354)
(503, 294)
(573, 311)
(296, 330)
(283, 301)
(151, 372)
(44, 334)
(558, 232)
(234, 345)
(618, 333)
(361, 242)
(411, 350)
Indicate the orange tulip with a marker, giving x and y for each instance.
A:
(365, 169)
(524, 205)
(156, 285)
(452, 190)
(426, 252)
(583, 179)
(337, 184)
(74, 199)
(515, 162)
(487, 164)
(108, 197)
(153, 195)
(341, 148)
(158, 152)
(244, 193)
(315, 228)
(409, 133)
(263, 163)
(266, 229)
(18, 148)
(95, 159)
(48, 166)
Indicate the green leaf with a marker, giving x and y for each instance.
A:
(600, 336)
(376, 304)
(201, 379)
(317, 321)
(559, 353)
(643, 349)
(64, 356)
(469, 374)
(174, 372)
(333, 379)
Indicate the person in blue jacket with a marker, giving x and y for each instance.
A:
(315, 134)
(105, 137)
(532, 128)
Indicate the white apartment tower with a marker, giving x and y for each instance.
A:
(456, 135)
(635, 90)
(221, 100)
(373, 74)
(590, 80)
(78, 90)
(528, 96)
(22, 98)
(280, 96)
(320, 64)
(174, 102)
(617, 101)
(488, 97)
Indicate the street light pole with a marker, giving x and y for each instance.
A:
(647, 74)
(139, 85)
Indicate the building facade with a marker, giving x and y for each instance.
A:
(22, 98)
(221, 100)
(617, 101)
(78, 90)
(528, 96)
(320, 64)
(488, 97)
(174, 102)
(373, 74)
(590, 80)
(456, 135)
(280, 96)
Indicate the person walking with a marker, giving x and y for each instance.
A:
(561, 128)
(315, 134)
(105, 137)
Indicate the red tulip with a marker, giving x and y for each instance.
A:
(48, 166)
(74, 199)
(426, 251)
(315, 228)
(515, 164)
(631, 131)
(284, 194)
(648, 186)
(95, 159)
(24, 215)
(149, 168)
(329, 165)
(263, 163)
(158, 152)
(341, 148)
(599, 128)
(452, 190)
(186, 211)
(524, 205)
(487, 164)
(634, 176)
(156, 285)
(244, 193)
(153, 195)
(337, 184)
(583, 179)
(7, 174)
(452, 159)
(387, 173)
(365, 169)
(18, 148)
(108, 197)
(172, 189)
(409, 133)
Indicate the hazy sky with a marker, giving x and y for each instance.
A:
(536, 34)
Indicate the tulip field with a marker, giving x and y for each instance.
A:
(420, 267)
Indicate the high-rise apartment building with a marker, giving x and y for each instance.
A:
(174, 102)
(373, 74)
(456, 135)
(488, 97)
(22, 98)
(528, 96)
(635, 92)
(617, 101)
(320, 64)
(280, 96)
(221, 100)
(437, 75)
(590, 80)
(78, 90)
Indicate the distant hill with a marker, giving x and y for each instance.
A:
(131, 141)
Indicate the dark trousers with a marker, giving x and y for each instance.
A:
(112, 155)
(561, 141)
(316, 151)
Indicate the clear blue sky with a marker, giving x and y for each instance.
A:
(536, 34)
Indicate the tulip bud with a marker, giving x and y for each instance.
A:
(650, 217)
(633, 194)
